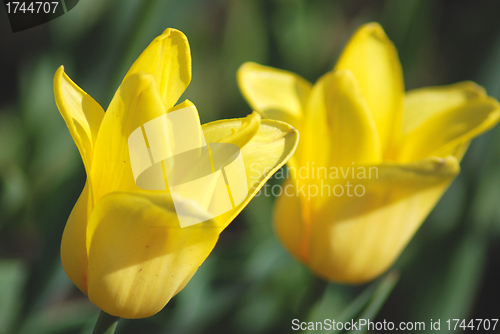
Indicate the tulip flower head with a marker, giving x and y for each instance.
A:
(124, 246)
(372, 162)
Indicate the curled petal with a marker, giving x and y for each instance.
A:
(82, 114)
(246, 131)
(453, 116)
(265, 151)
(424, 103)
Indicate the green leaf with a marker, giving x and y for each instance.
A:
(335, 301)
(13, 276)
(60, 318)
(378, 298)
(365, 306)
(453, 295)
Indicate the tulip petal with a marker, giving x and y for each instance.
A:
(277, 94)
(139, 256)
(265, 151)
(354, 136)
(373, 60)
(356, 238)
(314, 149)
(245, 132)
(82, 114)
(168, 60)
(136, 102)
(291, 221)
(424, 103)
(315, 146)
(73, 244)
(359, 242)
(451, 117)
(338, 130)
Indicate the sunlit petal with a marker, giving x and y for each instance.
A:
(373, 60)
(139, 256)
(136, 102)
(73, 244)
(168, 60)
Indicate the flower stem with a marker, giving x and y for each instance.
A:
(106, 324)
(313, 295)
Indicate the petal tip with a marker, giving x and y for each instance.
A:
(247, 64)
(58, 75)
(447, 166)
(170, 32)
(374, 29)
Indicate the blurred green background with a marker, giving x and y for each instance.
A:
(249, 284)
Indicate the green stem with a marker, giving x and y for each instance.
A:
(106, 324)
(315, 292)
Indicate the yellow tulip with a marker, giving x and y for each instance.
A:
(123, 246)
(400, 150)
